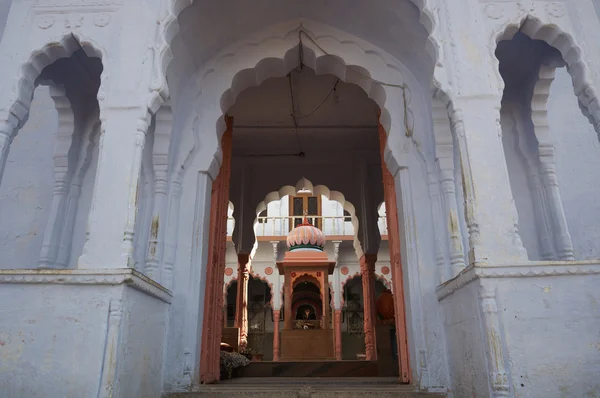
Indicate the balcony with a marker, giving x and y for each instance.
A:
(278, 227)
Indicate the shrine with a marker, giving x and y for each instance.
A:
(306, 336)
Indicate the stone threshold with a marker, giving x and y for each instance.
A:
(108, 276)
(517, 270)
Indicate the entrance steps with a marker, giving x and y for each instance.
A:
(303, 387)
(316, 369)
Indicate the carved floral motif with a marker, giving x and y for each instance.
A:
(385, 270)
(494, 11)
(102, 20)
(45, 21)
(268, 271)
(228, 271)
(344, 270)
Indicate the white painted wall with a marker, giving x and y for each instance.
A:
(4, 7)
(26, 188)
(577, 165)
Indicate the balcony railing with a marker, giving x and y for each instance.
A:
(280, 225)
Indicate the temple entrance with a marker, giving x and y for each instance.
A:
(292, 129)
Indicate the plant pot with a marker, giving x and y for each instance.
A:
(257, 357)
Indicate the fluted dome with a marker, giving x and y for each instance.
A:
(306, 237)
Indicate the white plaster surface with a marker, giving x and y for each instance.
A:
(464, 342)
(54, 344)
(27, 185)
(391, 44)
(577, 156)
(551, 328)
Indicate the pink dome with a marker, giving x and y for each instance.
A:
(306, 236)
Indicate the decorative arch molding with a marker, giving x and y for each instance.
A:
(306, 278)
(226, 287)
(565, 43)
(14, 109)
(320, 190)
(273, 54)
(170, 32)
(267, 281)
(343, 284)
(384, 280)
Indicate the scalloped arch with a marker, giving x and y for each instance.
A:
(171, 31)
(554, 36)
(226, 287)
(25, 84)
(267, 281)
(242, 66)
(356, 275)
(322, 64)
(304, 183)
(345, 282)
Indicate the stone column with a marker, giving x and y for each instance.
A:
(8, 129)
(337, 326)
(367, 271)
(213, 294)
(241, 307)
(112, 217)
(490, 210)
(498, 374)
(276, 315)
(391, 211)
(160, 162)
(83, 164)
(287, 294)
(326, 303)
(62, 175)
(170, 244)
(562, 237)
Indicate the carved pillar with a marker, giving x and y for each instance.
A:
(539, 117)
(326, 303)
(444, 150)
(393, 223)
(512, 117)
(111, 221)
(367, 272)
(562, 237)
(337, 326)
(276, 315)
(62, 175)
(540, 209)
(494, 355)
(241, 307)
(490, 211)
(170, 245)
(8, 129)
(213, 297)
(457, 253)
(83, 163)
(111, 349)
(288, 316)
(160, 162)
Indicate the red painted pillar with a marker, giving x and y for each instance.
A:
(391, 211)
(241, 308)
(367, 271)
(338, 334)
(276, 315)
(212, 325)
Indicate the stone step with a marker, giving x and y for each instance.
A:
(282, 387)
(314, 369)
